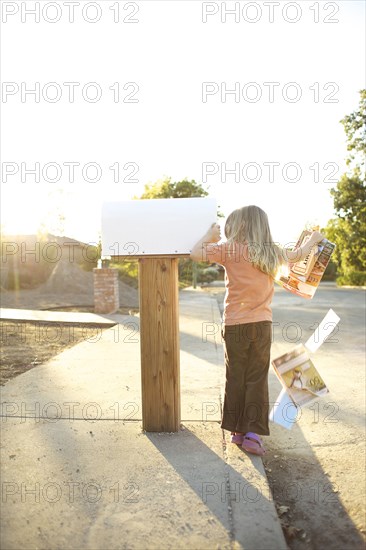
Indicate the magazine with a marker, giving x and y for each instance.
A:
(303, 277)
(299, 376)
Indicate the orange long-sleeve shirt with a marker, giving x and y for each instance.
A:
(249, 291)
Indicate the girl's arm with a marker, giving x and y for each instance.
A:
(299, 254)
(198, 252)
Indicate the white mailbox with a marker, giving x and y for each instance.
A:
(155, 226)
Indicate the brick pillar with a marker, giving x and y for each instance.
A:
(106, 294)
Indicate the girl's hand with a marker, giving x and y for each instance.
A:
(213, 235)
(298, 254)
(199, 251)
(316, 237)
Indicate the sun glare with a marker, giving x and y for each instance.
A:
(20, 212)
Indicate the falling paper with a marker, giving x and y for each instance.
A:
(305, 383)
(324, 330)
(284, 411)
(299, 376)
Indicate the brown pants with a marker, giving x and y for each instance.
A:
(247, 355)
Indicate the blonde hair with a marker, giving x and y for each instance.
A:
(250, 225)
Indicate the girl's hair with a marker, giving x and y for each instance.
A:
(250, 225)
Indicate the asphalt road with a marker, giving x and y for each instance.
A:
(317, 467)
(348, 303)
(326, 448)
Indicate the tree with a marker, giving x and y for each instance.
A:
(348, 229)
(355, 128)
(165, 189)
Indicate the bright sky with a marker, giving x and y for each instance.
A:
(170, 53)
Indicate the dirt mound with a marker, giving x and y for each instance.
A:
(68, 285)
(128, 296)
(67, 277)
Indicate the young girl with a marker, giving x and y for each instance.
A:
(251, 259)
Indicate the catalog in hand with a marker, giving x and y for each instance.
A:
(303, 277)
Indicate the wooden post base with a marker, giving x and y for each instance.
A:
(159, 341)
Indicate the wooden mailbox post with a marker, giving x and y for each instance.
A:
(157, 232)
(159, 341)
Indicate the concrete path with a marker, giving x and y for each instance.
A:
(79, 473)
(65, 317)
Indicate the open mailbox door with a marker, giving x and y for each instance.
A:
(155, 227)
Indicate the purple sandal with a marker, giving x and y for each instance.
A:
(252, 443)
(237, 439)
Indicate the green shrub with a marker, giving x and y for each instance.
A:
(185, 274)
(353, 278)
(208, 274)
(128, 271)
(330, 273)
